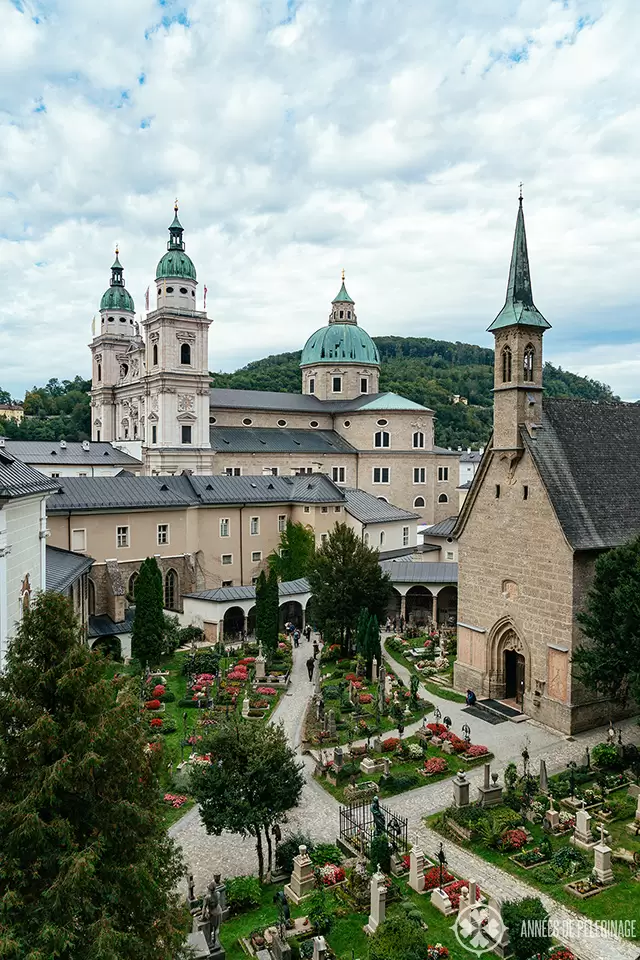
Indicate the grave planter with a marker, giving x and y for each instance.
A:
(529, 866)
(464, 833)
(485, 757)
(584, 889)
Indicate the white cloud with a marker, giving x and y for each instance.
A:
(308, 135)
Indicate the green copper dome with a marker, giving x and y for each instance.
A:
(342, 343)
(117, 298)
(174, 264)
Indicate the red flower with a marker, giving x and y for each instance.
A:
(155, 722)
(366, 698)
(158, 691)
(513, 840)
(390, 744)
(432, 878)
(437, 729)
(435, 765)
(477, 750)
(152, 705)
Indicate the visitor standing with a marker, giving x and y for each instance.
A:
(310, 666)
(307, 632)
(316, 649)
(296, 638)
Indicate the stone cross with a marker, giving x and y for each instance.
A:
(245, 707)
(319, 948)
(582, 831)
(473, 892)
(602, 860)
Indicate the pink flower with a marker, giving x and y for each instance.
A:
(266, 691)
(477, 750)
(365, 698)
(435, 765)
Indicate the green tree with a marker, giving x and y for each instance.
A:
(5, 396)
(147, 635)
(254, 779)
(87, 868)
(368, 639)
(609, 662)
(267, 611)
(528, 924)
(345, 577)
(295, 550)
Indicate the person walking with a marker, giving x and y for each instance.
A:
(307, 632)
(310, 667)
(296, 638)
(316, 649)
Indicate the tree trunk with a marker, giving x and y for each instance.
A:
(260, 853)
(269, 849)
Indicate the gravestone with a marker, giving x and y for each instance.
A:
(502, 947)
(319, 948)
(441, 902)
(544, 779)
(582, 831)
(332, 724)
(602, 860)
(302, 880)
(377, 745)
(416, 869)
(260, 664)
(552, 817)
(386, 766)
(369, 765)
(374, 670)
(378, 901)
(489, 794)
(280, 949)
(197, 943)
(245, 707)
(338, 758)
(461, 790)
(473, 893)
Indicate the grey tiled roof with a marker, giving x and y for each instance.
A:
(471, 456)
(64, 568)
(227, 398)
(276, 440)
(226, 594)
(17, 479)
(128, 492)
(104, 626)
(50, 452)
(368, 509)
(588, 455)
(420, 571)
(442, 529)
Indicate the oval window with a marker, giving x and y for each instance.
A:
(313, 423)
(212, 420)
(282, 423)
(159, 291)
(169, 289)
(111, 319)
(123, 319)
(247, 421)
(382, 423)
(183, 290)
(193, 293)
(347, 423)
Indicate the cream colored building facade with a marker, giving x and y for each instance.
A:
(151, 385)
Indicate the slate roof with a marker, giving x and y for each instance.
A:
(50, 452)
(276, 440)
(368, 509)
(588, 457)
(471, 456)
(128, 492)
(420, 571)
(227, 398)
(104, 626)
(17, 479)
(442, 529)
(226, 594)
(64, 567)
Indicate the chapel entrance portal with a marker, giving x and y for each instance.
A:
(514, 675)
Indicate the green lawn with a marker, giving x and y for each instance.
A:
(433, 688)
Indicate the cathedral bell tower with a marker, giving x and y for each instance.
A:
(518, 331)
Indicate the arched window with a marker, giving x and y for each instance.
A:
(506, 365)
(185, 353)
(366, 539)
(91, 598)
(131, 586)
(418, 439)
(382, 438)
(443, 498)
(99, 371)
(418, 502)
(155, 354)
(529, 354)
(383, 537)
(170, 590)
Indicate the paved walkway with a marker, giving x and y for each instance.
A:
(317, 814)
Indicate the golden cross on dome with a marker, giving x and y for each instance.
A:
(175, 206)
(520, 197)
(343, 274)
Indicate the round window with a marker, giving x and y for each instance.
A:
(247, 421)
(123, 319)
(212, 420)
(169, 289)
(313, 423)
(382, 423)
(282, 423)
(347, 423)
(183, 290)
(111, 319)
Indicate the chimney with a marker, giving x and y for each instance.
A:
(63, 444)
(85, 445)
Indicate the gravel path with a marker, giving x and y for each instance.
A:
(317, 814)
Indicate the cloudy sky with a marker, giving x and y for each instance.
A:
(301, 136)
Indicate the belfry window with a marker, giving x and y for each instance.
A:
(528, 363)
(341, 314)
(185, 354)
(99, 371)
(506, 365)
(155, 354)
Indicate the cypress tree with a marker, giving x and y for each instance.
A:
(147, 636)
(87, 870)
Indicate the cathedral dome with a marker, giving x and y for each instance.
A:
(176, 263)
(117, 298)
(341, 343)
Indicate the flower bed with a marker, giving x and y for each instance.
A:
(331, 874)
(266, 691)
(432, 878)
(528, 859)
(434, 765)
(513, 839)
(390, 744)
(176, 800)
(455, 889)
(152, 705)
(436, 952)
(585, 888)
(476, 750)
(155, 722)
(365, 698)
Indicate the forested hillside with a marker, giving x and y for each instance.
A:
(427, 371)
(430, 372)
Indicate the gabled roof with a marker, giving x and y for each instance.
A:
(442, 529)
(588, 456)
(17, 479)
(104, 626)
(225, 594)
(369, 509)
(276, 440)
(224, 398)
(64, 567)
(420, 571)
(50, 452)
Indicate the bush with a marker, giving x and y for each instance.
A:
(605, 755)
(399, 938)
(380, 853)
(569, 860)
(167, 697)
(326, 853)
(243, 893)
(320, 910)
(513, 839)
(204, 661)
(517, 916)
(331, 691)
(289, 848)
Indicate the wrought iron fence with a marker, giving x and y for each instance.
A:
(357, 827)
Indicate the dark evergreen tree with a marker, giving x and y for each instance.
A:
(291, 560)
(345, 577)
(368, 639)
(267, 611)
(87, 870)
(147, 635)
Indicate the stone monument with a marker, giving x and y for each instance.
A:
(378, 906)
(552, 817)
(260, 664)
(544, 779)
(319, 948)
(502, 947)
(582, 831)
(416, 869)
(602, 861)
(489, 794)
(338, 758)
(461, 790)
(210, 921)
(331, 725)
(245, 707)
(374, 670)
(302, 879)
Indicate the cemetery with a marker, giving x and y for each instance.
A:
(428, 655)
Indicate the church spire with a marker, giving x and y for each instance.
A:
(116, 272)
(519, 307)
(175, 232)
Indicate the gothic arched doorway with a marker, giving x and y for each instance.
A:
(514, 675)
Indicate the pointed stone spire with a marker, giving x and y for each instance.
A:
(519, 308)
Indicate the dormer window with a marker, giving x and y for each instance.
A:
(312, 384)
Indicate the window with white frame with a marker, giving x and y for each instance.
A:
(233, 471)
(301, 471)
(256, 556)
(419, 474)
(383, 537)
(270, 471)
(337, 509)
(381, 474)
(163, 533)
(443, 498)
(227, 559)
(338, 474)
(79, 540)
(366, 539)
(282, 523)
(254, 580)
(418, 440)
(405, 536)
(336, 384)
(227, 583)
(254, 526)
(312, 385)
(364, 385)
(324, 509)
(224, 527)
(382, 438)
(122, 536)
(449, 554)
(443, 474)
(418, 502)
(307, 509)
